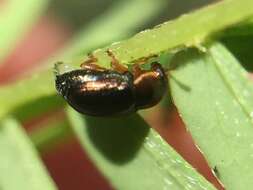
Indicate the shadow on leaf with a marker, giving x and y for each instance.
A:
(118, 139)
(180, 60)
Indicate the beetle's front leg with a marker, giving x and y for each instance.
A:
(137, 71)
(115, 63)
(91, 64)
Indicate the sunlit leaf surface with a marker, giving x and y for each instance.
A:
(214, 97)
(133, 156)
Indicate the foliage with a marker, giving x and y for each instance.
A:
(216, 105)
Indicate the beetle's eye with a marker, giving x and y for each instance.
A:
(61, 68)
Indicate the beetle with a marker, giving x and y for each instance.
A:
(97, 91)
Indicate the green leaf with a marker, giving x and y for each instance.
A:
(133, 156)
(214, 97)
(17, 94)
(187, 30)
(15, 18)
(20, 165)
(51, 133)
(36, 108)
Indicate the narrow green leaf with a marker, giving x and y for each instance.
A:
(214, 97)
(36, 108)
(15, 18)
(37, 86)
(20, 165)
(51, 133)
(187, 30)
(133, 156)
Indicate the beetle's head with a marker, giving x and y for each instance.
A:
(62, 84)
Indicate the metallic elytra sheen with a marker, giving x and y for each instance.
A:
(98, 93)
(110, 93)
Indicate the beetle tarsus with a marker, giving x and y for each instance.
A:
(91, 63)
(115, 63)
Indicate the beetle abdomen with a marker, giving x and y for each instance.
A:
(150, 87)
(98, 93)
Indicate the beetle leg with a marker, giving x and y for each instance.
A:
(115, 63)
(141, 61)
(156, 65)
(137, 71)
(90, 64)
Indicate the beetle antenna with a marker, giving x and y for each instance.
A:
(56, 69)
